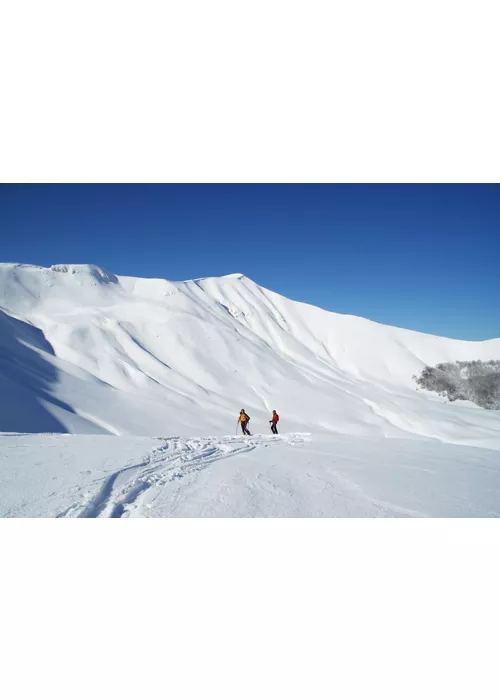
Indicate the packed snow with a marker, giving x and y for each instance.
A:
(131, 389)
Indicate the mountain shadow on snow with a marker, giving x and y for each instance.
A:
(26, 379)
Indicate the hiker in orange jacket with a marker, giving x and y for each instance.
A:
(243, 419)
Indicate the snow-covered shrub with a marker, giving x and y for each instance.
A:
(475, 381)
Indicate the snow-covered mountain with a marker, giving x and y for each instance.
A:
(86, 351)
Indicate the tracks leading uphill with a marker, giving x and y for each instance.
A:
(122, 492)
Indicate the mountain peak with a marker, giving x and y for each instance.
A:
(98, 273)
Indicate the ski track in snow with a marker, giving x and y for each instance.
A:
(124, 490)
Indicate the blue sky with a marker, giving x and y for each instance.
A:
(417, 256)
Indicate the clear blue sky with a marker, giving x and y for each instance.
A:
(418, 256)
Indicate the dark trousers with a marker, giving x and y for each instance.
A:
(274, 428)
(244, 428)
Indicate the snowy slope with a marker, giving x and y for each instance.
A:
(85, 351)
(294, 475)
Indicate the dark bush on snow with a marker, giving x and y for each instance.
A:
(475, 381)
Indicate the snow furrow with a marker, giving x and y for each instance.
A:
(99, 503)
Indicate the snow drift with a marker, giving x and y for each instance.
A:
(86, 351)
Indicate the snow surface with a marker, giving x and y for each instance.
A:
(83, 351)
(293, 475)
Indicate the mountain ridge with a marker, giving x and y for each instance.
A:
(148, 356)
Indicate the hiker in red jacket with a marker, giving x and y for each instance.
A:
(274, 423)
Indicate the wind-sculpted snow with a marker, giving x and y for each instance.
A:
(85, 351)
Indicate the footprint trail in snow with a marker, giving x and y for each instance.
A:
(123, 493)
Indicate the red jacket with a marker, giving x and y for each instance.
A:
(275, 418)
